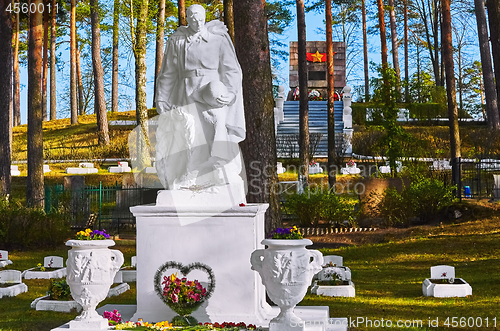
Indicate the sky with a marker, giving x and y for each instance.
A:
(313, 21)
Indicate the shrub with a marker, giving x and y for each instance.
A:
(59, 290)
(25, 228)
(430, 196)
(424, 198)
(314, 206)
(392, 206)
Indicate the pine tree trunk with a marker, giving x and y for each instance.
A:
(488, 77)
(447, 56)
(16, 102)
(383, 41)
(229, 17)
(331, 92)
(99, 100)
(81, 106)
(35, 187)
(259, 147)
(114, 77)
(394, 42)
(53, 97)
(73, 78)
(45, 69)
(365, 52)
(494, 19)
(140, 83)
(181, 12)
(407, 78)
(303, 96)
(160, 35)
(6, 68)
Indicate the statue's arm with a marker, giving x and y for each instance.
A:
(167, 78)
(229, 68)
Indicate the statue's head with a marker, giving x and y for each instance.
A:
(195, 16)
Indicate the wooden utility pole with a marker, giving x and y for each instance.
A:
(331, 93)
(303, 96)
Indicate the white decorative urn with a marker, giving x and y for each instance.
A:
(91, 268)
(286, 268)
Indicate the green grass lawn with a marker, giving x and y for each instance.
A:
(388, 278)
(16, 313)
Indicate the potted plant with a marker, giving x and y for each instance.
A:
(91, 268)
(286, 268)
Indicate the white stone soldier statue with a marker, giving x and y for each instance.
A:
(199, 99)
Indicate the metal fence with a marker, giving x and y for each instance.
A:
(109, 206)
(477, 178)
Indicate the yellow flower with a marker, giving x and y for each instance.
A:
(173, 277)
(39, 265)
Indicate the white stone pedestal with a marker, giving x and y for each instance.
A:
(458, 289)
(222, 240)
(335, 291)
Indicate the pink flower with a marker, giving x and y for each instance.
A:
(189, 283)
(197, 297)
(177, 290)
(175, 298)
(198, 286)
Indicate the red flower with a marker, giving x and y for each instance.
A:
(242, 204)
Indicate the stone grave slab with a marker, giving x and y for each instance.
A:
(43, 303)
(350, 170)
(333, 265)
(443, 283)
(122, 167)
(4, 259)
(48, 262)
(12, 278)
(117, 290)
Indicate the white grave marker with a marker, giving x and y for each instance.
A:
(442, 272)
(10, 276)
(336, 260)
(333, 269)
(443, 283)
(53, 262)
(4, 255)
(4, 259)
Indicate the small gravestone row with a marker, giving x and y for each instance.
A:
(334, 280)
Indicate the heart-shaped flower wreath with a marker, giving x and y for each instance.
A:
(182, 295)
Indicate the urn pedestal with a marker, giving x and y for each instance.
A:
(286, 268)
(91, 268)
